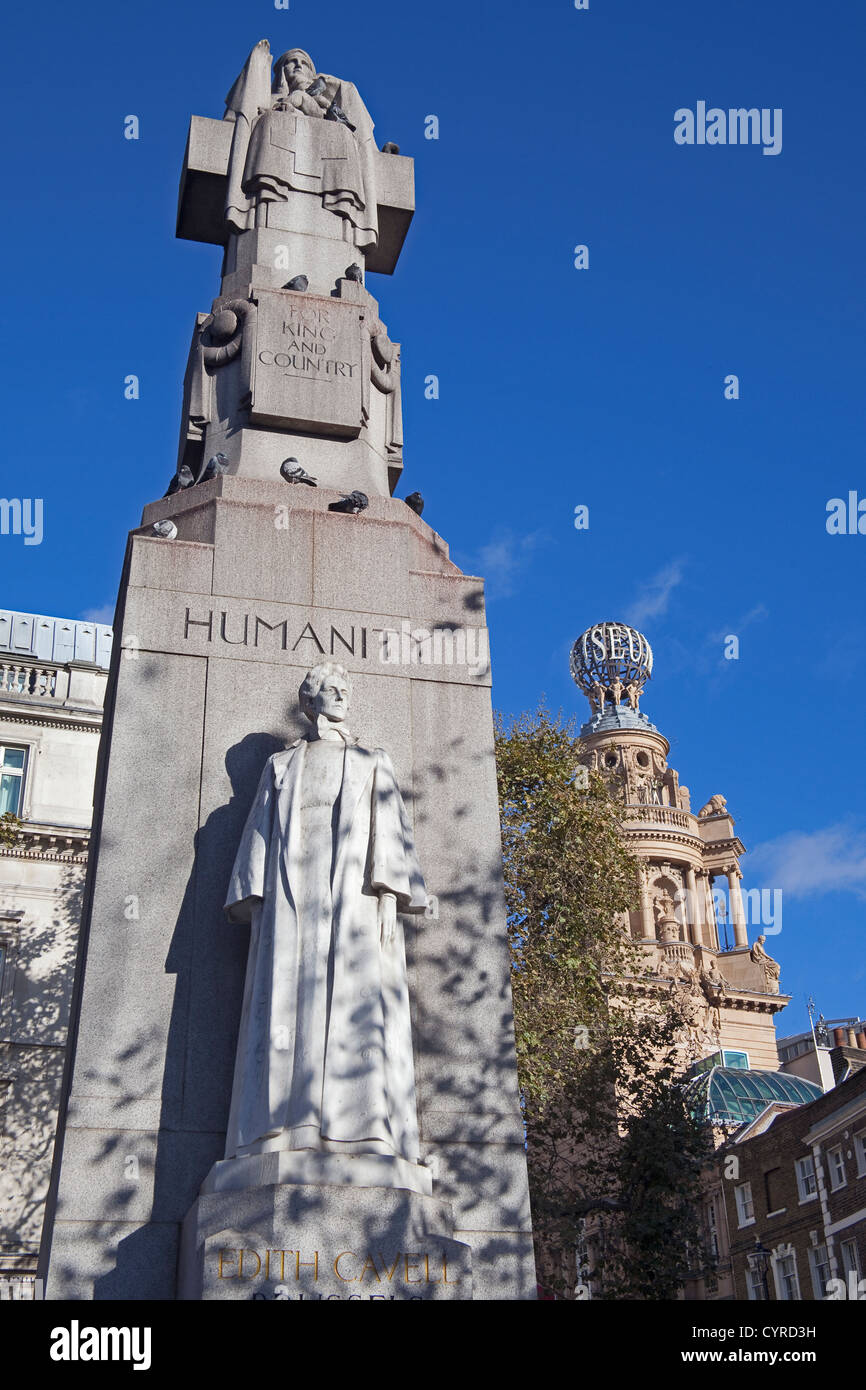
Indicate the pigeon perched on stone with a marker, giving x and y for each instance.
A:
(294, 473)
(215, 466)
(166, 529)
(354, 503)
(182, 478)
(298, 282)
(335, 112)
(416, 502)
(390, 148)
(354, 272)
(316, 88)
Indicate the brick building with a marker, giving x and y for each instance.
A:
(793, 1198)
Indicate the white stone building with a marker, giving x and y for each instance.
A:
(53, 674)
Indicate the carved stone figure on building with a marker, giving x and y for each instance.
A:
(649, 792)
(715, 806)
(381, 368)
(303, 132)
(326, 861)
(701, 1022)
(714, 986)
(677, 963)
(663, 906)
(667, 926)
(217, 340)
(770, 967)
(714, 982)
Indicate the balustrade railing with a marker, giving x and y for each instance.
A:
(28, 678)
(658, 815)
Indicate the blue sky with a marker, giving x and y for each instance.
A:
(559, 387)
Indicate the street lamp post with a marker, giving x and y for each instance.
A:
(759, 1261)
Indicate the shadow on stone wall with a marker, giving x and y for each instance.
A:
(34, 1028)
(459, 979)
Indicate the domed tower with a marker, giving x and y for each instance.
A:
(689, 871)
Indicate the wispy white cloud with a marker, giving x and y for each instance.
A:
(806, 863)
(754, 615)
(505, 557)
(655, 594)
(104, 615)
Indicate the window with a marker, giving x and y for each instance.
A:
(836, 1165)
(12, 762)
(807, 1185)
(738, 1060)
(860, 1150)
(773, 1190)
(712, 1230)
(582, 1263)
(706, 1064)
(756, 1287)
(745, 1205)
(10, 921)
(787, 1283)
(5, 1097)
(4, 962)
(819, 1264)
(850, 1258)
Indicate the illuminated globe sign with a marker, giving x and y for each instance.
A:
(611, 663)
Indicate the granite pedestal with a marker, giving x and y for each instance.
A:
(214, 632)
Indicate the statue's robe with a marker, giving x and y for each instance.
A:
(273, 152)
(367, 1101)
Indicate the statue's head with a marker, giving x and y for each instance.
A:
(326, 690)
(293, 71)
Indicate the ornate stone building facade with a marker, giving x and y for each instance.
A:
(689, 863)
(52, 685)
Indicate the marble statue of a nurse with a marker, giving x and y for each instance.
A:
(326, 862)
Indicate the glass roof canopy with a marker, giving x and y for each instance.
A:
(729, 1096)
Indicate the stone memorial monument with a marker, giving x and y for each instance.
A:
(325, 858)
(293, 1074)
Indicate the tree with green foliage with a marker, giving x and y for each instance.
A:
(9, 829)
(614, 1155)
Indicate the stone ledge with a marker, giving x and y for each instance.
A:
(307, 1167)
